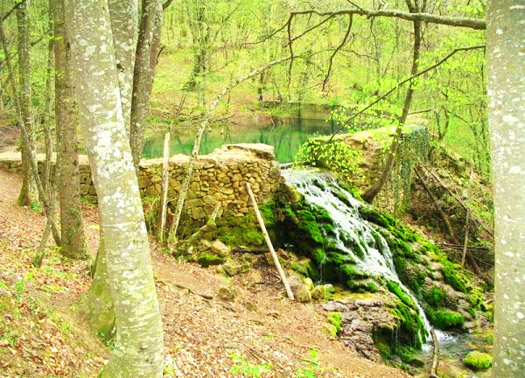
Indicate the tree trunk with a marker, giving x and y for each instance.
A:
(147, 49)
(506, 88)
(68, 172)
(124, 24)
(28, 193)
(138, 342)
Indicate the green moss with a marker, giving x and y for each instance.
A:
(309, 225)
(207, 259)
(435, 297)
(446, 319)
(478, 361)
(453, 276)
(336, 319)
(382, 344)
(411, 330)
(252, 237)
(396, 289)
(267, 211)
(410, 356)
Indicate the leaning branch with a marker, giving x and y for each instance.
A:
(15, 7)
(401, 83)
(198, 138)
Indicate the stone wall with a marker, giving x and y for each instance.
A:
(218, 177)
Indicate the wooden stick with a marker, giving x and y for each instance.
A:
(435, 358)
(467, 223)
(269, 243)
(165, 185)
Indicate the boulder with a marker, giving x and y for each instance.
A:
(219, 248)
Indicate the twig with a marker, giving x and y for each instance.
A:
(343, 42)
(269, 243)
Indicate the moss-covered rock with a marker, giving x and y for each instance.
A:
(446, 319)
(336, 319)
(478, 361)
(206, 259)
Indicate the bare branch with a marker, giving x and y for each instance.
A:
(464, 22)
(343, 42)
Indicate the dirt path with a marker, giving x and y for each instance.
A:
(202, 331)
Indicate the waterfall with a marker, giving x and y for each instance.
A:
(351, 231)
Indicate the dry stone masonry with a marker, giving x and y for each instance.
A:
(218, 177)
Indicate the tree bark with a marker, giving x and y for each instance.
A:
(68, 171)
(506, 88)
(124, 25)
(138, 342)
(144, 73)
(28, 192)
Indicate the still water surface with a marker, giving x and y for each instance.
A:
(286, 139)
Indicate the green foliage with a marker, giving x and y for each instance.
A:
(478, 361)
(454, 277)
(311, 366)
(243, 366)
(36, 207)
(337, 156)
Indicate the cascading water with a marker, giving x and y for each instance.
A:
(353, 235)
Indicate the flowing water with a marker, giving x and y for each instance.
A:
(350, 229)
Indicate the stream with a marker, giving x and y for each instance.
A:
(350, 229)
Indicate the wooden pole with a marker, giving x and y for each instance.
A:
(165, 186)
(435, 357)
(269, 243)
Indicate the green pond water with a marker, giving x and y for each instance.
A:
(286, 138)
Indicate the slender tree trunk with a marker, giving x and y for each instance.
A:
(124, 25)
(25, 135)
(371, 193)
(147, 50)
(68, 172)
(139, 341)
(506, 88)
(28, 193)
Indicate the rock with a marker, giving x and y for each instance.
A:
(227, 293)
(254, 277)
(303, 294)
(219, 248)
(231, 267)
(300, 288)
(478, 361)
(206, 259)
(323, 292)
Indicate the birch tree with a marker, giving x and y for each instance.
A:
(506, 83)
(138, 341)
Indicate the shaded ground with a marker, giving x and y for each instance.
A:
(42, 333)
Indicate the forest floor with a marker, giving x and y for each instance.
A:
(43, 333)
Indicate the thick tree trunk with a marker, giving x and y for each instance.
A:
(124, 24)
(68, 172)
(28, 192)
(139, 341)
(506, 87)
(147, 49)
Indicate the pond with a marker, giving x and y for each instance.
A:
(286, 138)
